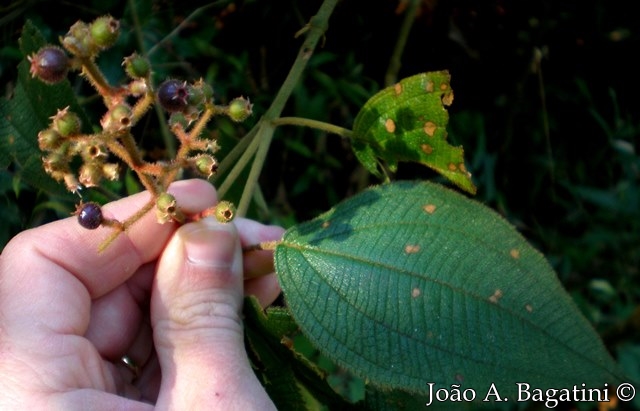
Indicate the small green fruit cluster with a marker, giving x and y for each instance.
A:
(185, 101)
(88, 39)
(63, 141)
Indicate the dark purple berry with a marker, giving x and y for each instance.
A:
(50, 64)
(90, 215)
(173, 95)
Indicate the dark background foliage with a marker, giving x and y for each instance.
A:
(545, 103)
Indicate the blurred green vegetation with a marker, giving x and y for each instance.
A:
(545, 106)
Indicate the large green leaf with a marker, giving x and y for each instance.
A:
(26, 113)
(410, 283)
(407, 122)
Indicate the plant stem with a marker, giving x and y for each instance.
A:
(239, 166)
(197, 129)
(236, 152)
(124, 226)
(141, 107)
(138, 27)
(315, 30)
(136, 162)
(320, 125)
(265, 135)
(182, 25)
(167, 138)
(391, 76)
(265, 245)
(91, 71)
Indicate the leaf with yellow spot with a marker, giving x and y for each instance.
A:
(410, 282)
(407, 123)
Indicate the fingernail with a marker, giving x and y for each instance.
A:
(209, 243)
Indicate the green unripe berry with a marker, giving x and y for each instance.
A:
(119, 118)
(195, 97)
(225, 211)
(179, 118)
(104, 31)
(137, 66)
(49, 139)
(79, 40)
(92, 150)
(66, 123)
(207, 90)
(56, 163)
(206, 165)
(166, 203)
(167, 210)
(202, 91)
(239, 109)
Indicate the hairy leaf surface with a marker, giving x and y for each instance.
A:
(410, 282)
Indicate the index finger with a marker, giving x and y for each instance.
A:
(73, 248)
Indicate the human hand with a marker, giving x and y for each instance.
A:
(169, 299)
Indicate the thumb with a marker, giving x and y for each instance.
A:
(195, 313)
